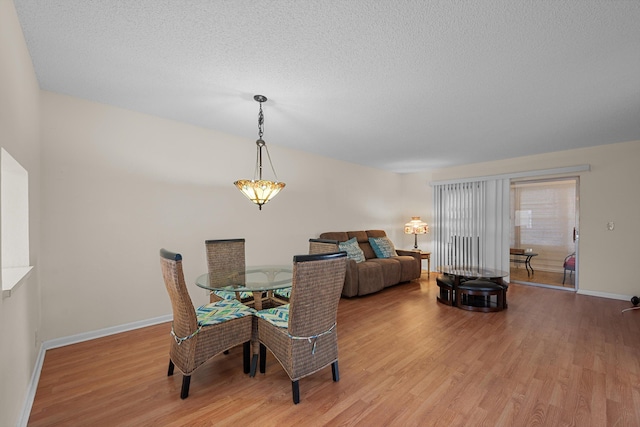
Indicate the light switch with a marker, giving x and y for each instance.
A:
(611, 225)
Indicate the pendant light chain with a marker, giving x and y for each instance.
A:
(264, 145)
(260, 191)
(260, 122)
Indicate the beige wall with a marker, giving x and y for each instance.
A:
(119, 185)
(608, 192)
(19, 313)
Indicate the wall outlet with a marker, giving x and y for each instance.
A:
(611, 225)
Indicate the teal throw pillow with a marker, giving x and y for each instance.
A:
(382, 247)
(352, 249)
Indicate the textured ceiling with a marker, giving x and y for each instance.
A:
(399, 85)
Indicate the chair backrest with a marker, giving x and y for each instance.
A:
(184, 315)
(226, 261)
(322, 246)
(315, 292)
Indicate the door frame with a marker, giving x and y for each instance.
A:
(576, 179)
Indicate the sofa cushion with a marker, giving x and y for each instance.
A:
(382, 247)
(410, 268)
(363, 241)
(391, 270)
(352, 249)
(370, 278)
(350, 288)
(340, 236)
(376, 233)
(360, 235)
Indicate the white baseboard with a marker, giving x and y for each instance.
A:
(579, 291)
(86, 336)
(605, 295)
(31, 390)
(542, 285)
(73, 339)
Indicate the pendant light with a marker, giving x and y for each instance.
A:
(259, 190)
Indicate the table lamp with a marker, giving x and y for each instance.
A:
(415, 227)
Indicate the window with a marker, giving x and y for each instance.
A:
(14, 222)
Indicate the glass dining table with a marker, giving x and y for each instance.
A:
(261, 281)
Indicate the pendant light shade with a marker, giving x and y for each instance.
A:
(259, 190)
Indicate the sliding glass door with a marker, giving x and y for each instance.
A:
(544, 224)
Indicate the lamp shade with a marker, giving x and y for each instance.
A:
(416, 226)
(259, 191)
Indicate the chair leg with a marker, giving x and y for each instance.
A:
(171, 366)
(246, 357)
(564, 276)
(334, 371)
(295, 388)
(254, 365)
(263, 358)
(186, 380)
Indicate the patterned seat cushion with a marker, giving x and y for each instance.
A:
(228, 295)
(278, 316)
(221, 311)
(283, 293)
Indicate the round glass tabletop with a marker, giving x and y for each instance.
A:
(253, 279)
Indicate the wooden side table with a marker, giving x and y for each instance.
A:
(427, 256)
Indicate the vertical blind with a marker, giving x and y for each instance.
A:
(471, 224)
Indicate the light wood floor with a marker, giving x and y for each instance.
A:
(553, 358)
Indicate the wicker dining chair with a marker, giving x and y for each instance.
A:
(302, 335)
(198, 335)
(226, 265)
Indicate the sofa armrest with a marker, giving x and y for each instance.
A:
(410, 252)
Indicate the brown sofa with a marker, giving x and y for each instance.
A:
(374, 274)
